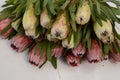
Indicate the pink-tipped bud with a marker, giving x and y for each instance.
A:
(3, 24)
(57, 52)
(95, 54)
(20, 43)
(35, 59)
(80, 50)
(72, 60)
(114, 55)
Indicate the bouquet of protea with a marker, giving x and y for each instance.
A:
(72, 29)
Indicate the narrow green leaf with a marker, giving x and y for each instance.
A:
(54, 62)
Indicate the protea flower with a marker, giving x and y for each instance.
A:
(57, 51)
(95, 54)
(83, 13)
(80, 50)
(29, 22)
(35, 58)
(104, 32)
(21, 42)
(6, 34)
(114, 55)
(3, 24)
(67, 44)
(15, 24)
(72, 60)
(59, 28)
(31, 33)
(45, 19)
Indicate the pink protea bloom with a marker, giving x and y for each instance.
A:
(114, 56)
(3, 24)
(79, 50)
(95, 54)
(72, 60)
(57, 51)
(6, 34)
(35, 59)
(20, 43)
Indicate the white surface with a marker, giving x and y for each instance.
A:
(14, 66)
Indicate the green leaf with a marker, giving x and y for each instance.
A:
(38, 7)
(72, 11)
(89, 44)
(77, 36)
(87, 35)
(98, 8)
(6, 13)
(49, 51)
(106, 48)
(54, 62)
(73, 25)
(43, 48)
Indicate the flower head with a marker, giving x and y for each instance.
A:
(44, 19)
(83, 13)
(35, 58)
(104, 32)
(114, 55)
(6, 34)
(80, 50)
(20, 43)
(3, 24)
(59, 28)
(57, 51)
(67, 44)
(29, 22)
(95, 54)
(72, 60)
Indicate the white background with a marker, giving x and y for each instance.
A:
(14, 66)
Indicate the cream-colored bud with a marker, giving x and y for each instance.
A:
(15, 24)
(45, 19)
(60, 28)
(83, 13)
(29, 18)
(31, 33)
(104, 32)
(67, 44)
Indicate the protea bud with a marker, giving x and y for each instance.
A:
(21, 42)
(29, 22)
(3, 24)
(35, 58)
(80, 50)
(95, 54)
(114, 55)
(45, 19)
(31, 33)
(15, 24)
(57, 51)
(72, 60)
(67, 44)
(6, 34)
(104, 32)
(59, 28)
(83, 13)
